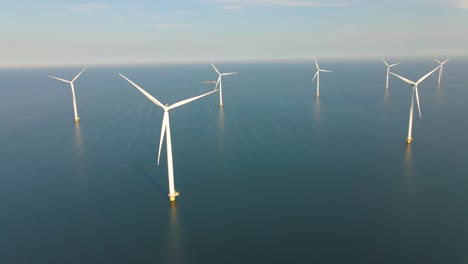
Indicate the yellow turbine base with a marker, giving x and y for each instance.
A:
(77, 120)
(220, 105)
(172, 197)
(408, 141)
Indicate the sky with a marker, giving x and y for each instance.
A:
(67, 32)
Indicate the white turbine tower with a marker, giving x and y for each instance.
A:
(77, 119)
(165, 129)
(441, 67)
(220, 82)
(415, 91)
(388, 70)
(317, 74)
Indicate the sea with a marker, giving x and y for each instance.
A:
(277, 175)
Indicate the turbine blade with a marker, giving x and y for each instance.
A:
(316, 64)
(427, 75)
(229, 73)
(393, 65)
(163, 131)
(190, 100)
(446, 60)
(154, 100)
(403, 78)
(325, 71)
(315, 76)
(385, 62)
(63, 80)
(217, 82)
(215, 68)
(417, 100)
(438, 61)
(76, 77)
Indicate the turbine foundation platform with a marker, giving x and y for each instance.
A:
(77, 120)
(408, 141)
(220, 105)
(172, 197)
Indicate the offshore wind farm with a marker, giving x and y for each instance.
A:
(234, 131)
(276, 169)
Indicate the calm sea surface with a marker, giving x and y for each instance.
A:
(276, 176)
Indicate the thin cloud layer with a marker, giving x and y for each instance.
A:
(88, 8)
(173, 25)
(292, 3)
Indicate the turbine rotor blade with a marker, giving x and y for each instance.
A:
(446, 60)
(229, 73)
(385, 62)
(427, 75)
(163, 131)
(78, 75)
(215, 68)
(393, 65)
(154, 100)
(189, 100)
(217, 82)
(438, 61)
(325, 71)
(315, 76)
(417, 100)
(403, 78)
(316, 64)
(60, 79)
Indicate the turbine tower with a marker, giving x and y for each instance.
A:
(317, 74)
(220, 82)
(77, 119)
(388, 70)
(415, 91)
(441, 68)
(165, 129)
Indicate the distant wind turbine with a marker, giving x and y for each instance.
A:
(317, 74)
(441, 67)
(388, 70)
(415, 91)
(220, 82)
(165, 129)
(77, 119)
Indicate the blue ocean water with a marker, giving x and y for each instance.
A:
(275, 176)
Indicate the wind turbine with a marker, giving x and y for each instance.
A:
(77, 119)
(220, 82)
(165, 129)
(441, 67)
(415, 91)
(317, 74)
(388, 70)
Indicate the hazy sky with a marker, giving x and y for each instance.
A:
(84, 32)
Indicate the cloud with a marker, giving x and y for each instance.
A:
(297, 3)
(88, 8)
(173, 25)
(181, 12)
(231, 7)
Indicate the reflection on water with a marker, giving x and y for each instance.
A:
(175, 240)
(78, 138)
(220, 130)
(407, 167)
(79, 152)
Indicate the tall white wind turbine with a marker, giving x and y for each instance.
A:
(220, 82)
(388, 70)
(441, 67)
(165, 129)
(415, 91)
(77, 119)
(317, 75)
